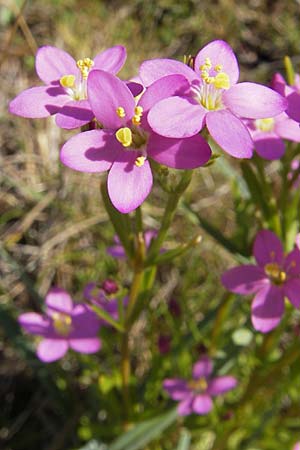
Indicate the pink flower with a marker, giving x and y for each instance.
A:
(273, 278)
(65, 90)
(117, 250)
(296, 446)
(126, 142)
(64, 326)
(195, 395)
(269, 134)
(213, 98)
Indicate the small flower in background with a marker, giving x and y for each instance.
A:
(65, 325)
(295, 169)
(269, 134)
(164, 343)
(123, 146)
(195, 395)
(297, 446)
(101, 298)
(117, 250)
(65, 90)
(109, 286)
(273, 278)
(213, 99)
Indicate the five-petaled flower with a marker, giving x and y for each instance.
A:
(214, 98)
(126, 140)
(65, 325)
(275, 277)
(65, 90)
(195, 395)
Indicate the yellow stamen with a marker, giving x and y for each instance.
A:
(221, 81)
(275, 273)
(198, 385)
(265, 124)
(138, 110)
(62, 323)
(67, 81)
(140, 161)
(124, 136)
(218, 67)
(85, 65)
(120, 112)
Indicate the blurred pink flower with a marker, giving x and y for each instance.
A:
(195, 395)
(64, 326)
(275, 277)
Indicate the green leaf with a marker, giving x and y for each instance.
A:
(145, 432)
(184, 441)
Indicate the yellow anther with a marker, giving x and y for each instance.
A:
(218, 67)
(200, 385)
(124, 136)
(67, 81)
(120, 112)
(265, 124)
(85, 65)
(275, 273)
(140, 161)
(221, 81)
(138, 110)
(208, 63)
(136, 120)
(62, 324)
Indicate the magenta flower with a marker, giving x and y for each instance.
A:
(64, 326)
(126, 142)
(273, 278)
(117, 250)
(268, 135)
(65, 90)
(195, 395)
(213, 99)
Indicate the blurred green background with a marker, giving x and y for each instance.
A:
(54, 230)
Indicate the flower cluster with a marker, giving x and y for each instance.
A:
(126, 132)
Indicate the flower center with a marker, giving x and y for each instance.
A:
(198, 385)
(134, 137)
(77, 88)
(214, 81)
(62, 323)
(265, 124)
(275, 273)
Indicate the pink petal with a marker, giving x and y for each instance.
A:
(50, 350)
(176, 117)
(85, 322)
(91, 151)
(58, 300)
(220, 385)
(38, 102)
(111, 60)
(267, 248)
(154, 69)
(267, 308)
(244, 280)
(85, 345)
(129, 185)
(202, 368)
(106, 93)
(52, 63)
(292, 263)
(74, 114)
(176, 388)
(135, 87)
(269, 145)
(165, 87)
(278, 84)
(230, 133)
(254, 101)
(185, 406)
(293, 98)
(288, 128)
(202, 404)
(297, 446)
(34, 323)
(187, 153)
(219, 52)
(292, 291)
